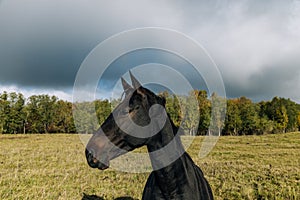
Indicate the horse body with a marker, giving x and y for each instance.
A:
(178, 179)
(182, 179)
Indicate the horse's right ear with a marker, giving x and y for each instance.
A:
(135, 83)
(125, 85)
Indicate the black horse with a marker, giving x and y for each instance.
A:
(175, 175)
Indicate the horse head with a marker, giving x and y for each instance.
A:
(132, 124)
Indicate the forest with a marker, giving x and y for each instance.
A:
(49, 114)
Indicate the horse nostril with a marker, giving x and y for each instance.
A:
(91, 160)
(95, 161)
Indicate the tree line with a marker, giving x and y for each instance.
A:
(241, 117)
(48, 114)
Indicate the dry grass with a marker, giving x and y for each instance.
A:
(54, 167)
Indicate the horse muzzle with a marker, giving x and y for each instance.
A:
(94, 162)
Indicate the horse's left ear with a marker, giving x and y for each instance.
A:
(125, 85)
(136, 84)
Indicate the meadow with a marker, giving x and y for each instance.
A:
(47, 166)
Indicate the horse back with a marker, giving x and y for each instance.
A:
(194, 187)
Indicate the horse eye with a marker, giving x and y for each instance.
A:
(137, 107)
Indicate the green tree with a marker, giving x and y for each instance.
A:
(85, 117)
(4, 112)
(249, 116)
(233, 121)
(34, 124)
(63, 120)
(277, 112)
(191, 113)
(11, 112)
(41, 113)
(47, 111)
(103, 109)
(204, 106)
(266, 125)
(298, 120)
(218, 114)
(281, 118)
(292, 113)
(173, 108)
(16, 115)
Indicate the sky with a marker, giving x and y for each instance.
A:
(255, 44)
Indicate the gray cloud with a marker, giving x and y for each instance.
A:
(254, 43)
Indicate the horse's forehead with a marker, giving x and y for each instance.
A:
(135, 95)
(128, 99)
(145, 92)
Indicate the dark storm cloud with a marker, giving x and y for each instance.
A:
(42, 46)
(255, 45)
(43, 43)
(42, 66)
(145, 56)
(272, 81)
(279, 77)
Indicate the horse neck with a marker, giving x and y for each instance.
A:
(166, 136)
(167, 175)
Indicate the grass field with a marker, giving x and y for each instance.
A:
(54, 167)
